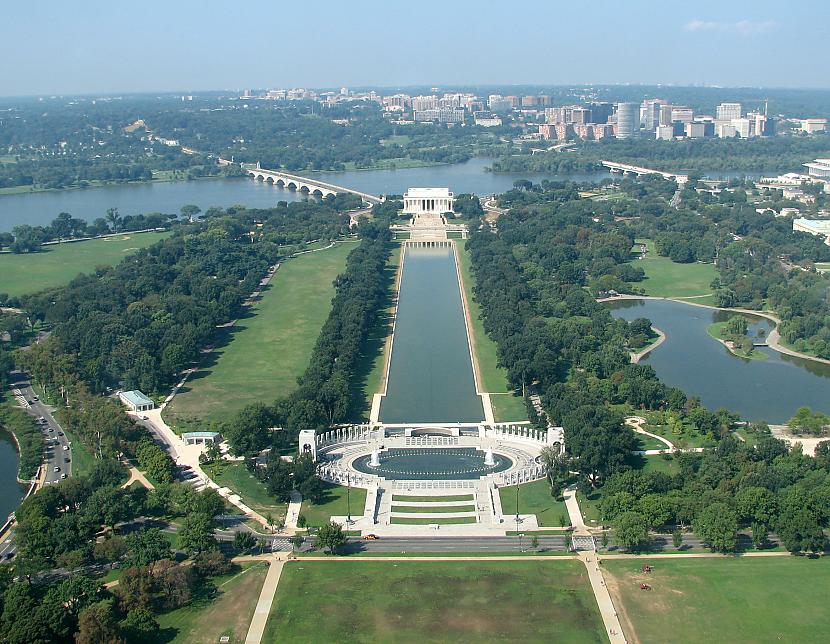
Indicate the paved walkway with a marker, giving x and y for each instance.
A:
(613, 628)
(574, 513)
(266, 599)
(636, 423)
(293, 512)
(136, 475)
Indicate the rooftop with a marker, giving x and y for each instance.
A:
(135, 397)
(428, 193)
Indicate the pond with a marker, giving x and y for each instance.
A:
(11, 492)
(761, 390)
(438, 463)
(430, 371)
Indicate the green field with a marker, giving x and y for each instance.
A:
(535, 498)
(493, 377)
(780, 599)
(207, 619)
(665, 278)
(265, 352)
(57, 264)
(253, 492)
(452, 497)
(416, 601)
(437, 509)
(335, 504)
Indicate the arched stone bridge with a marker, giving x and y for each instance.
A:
(304, 184)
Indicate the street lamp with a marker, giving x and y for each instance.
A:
(348, 499)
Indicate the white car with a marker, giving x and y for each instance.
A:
(66, 448)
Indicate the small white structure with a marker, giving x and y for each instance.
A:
(308, 443)
(814, 227)
(136, 401)
(419, 201)
(200, 438)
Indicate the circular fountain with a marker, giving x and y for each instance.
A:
(439, 463)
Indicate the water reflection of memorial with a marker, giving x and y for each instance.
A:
(440, 463)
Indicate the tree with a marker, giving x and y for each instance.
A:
(135, 588)
(759, 534)
(330, 535)
(800, 531)
(113, 219)
(140, 625)
(297, 541)
(146, 546)
(196, 533)
(243, 541)
(97, 625)
(677, 538)
(631, 530)
(717, 525)
(189, 211)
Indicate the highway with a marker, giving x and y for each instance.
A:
(57, 450)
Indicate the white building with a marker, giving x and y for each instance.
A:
(665, 132)
(819, 169)
(811, 126)
(742, 127)
(488, 120)
(136, 400)
(725, 130)
(728, 111)
(814, 227)
(419, 201)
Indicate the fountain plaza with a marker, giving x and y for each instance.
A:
(460, 466)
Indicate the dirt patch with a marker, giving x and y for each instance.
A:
(612, 584)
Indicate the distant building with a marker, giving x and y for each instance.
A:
(601, 112)
(665, 132)
(665, 115)
(418, 201)
(695, 130)
(628, 119)
(682, 114)
(580, 115)
(423, 103)
(819, 169)
(136, 401)
(814, 227)
(497, 103)
(742, 127)
(725, 130)
(810, 126)
(487, 120)
(728, 111)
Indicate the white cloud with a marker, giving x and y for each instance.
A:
(742, 27)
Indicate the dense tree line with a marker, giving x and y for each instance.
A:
(325, 395)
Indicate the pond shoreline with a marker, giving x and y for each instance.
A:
(773, 339)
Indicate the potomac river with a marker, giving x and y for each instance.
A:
(761, 390)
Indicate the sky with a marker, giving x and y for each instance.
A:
(105, 47)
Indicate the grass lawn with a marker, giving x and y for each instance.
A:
(493, 377)
(253, 492)
(334, 504)
(535, 498)
(437, 509)
(508, 408)
(660, 463)
(58, 264)
(452, 497)
(206, 619)
(265, 352)
(665, 278)
(715, 330)
(370, 367)
(417, 601)
(432, 520)
(781, 599)
(647, 442)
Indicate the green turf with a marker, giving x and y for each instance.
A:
(715, 330)
(432, 520)
(229, 612)
(253, 492)
(334, 504)
(57, 264)
(665, 278)
(266, 352)
(780, 599)
(447, 601)
(508, 408)
(371, 364)
(534, 498)
(451, 497)
(647, 442)
(437, 509)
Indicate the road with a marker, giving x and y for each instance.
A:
(57, 447)
(57, 450)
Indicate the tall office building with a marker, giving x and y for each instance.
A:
(650, 113)
(580, 115)
(728, 111)
(628, 119)
(665, 115)
(600, 112)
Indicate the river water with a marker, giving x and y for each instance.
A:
(10, 491)
(430, 372)
(762, 390)
(40, 208)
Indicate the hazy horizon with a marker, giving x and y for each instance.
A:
(190, 46)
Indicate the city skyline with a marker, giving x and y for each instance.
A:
(200, 46)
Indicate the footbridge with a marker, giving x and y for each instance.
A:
(626, 168)
(304, 184)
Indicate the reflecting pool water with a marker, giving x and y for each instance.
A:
(451, 463)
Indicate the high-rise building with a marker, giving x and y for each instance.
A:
(498, 103)
(600, 112)
(682, 114)
(728, 111)
(695, 130)
(664, 132)
(628, 119)
(580, 115)
(665, 114)
(420, 103)
(650, 111)
(742, 127)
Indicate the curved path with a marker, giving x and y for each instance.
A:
(636, 356)
(773, 339)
